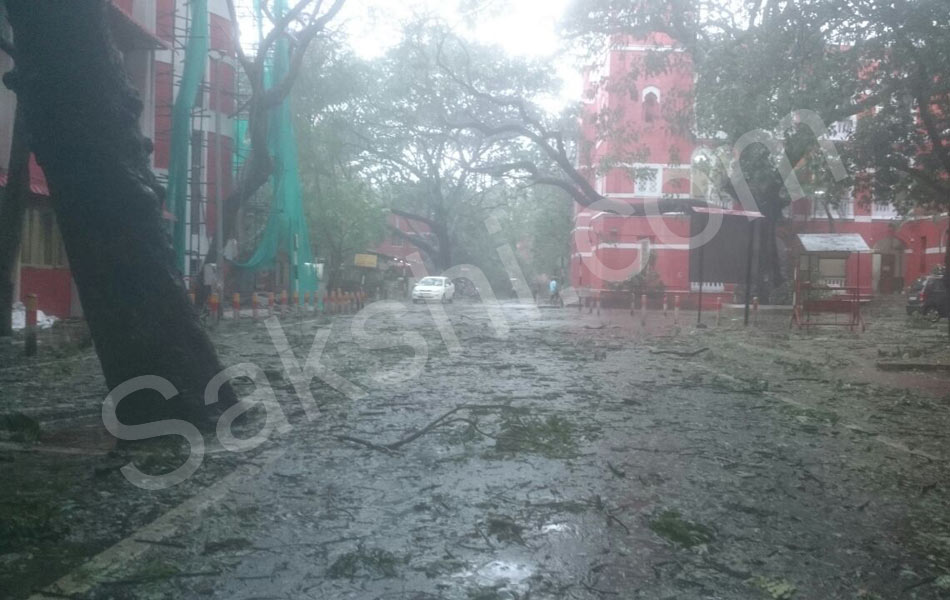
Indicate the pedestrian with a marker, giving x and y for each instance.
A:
(554, 293)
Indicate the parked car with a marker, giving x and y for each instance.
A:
(433, 288)
(927, 296)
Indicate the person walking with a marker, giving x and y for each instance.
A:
(555, 294)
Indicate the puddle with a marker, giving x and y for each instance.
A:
(559, 528)
(501, 576)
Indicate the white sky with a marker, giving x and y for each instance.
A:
(522, 27)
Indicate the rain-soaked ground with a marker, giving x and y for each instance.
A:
(589, 457)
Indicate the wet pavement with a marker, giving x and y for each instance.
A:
(590, 457)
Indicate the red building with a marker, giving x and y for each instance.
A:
(151, 36)
(623, 92)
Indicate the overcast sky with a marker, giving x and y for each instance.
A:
(521, 27)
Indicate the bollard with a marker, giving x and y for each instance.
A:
(236, 305)
(718, 311)
(296, 305)
(270, 304)
(253, 305)
(213, 306)
(755, 309)
(30, 346)
(676, 310)
(306, 301)
(643, 310)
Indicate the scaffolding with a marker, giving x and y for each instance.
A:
(200, 174)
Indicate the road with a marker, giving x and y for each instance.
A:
(590, 458)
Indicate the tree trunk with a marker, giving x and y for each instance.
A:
(82, 113)
(11, 219)
(946, 275)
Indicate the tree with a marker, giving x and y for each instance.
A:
(82, 113)
(756, 62)
(13, 204)
(12, 211)
(344, 211)
(296, 27)
(417, 162)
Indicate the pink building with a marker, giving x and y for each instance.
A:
(607, 247)
(151, 36)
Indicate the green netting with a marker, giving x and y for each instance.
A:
(286, 223)
(196, 53)
(240, 146)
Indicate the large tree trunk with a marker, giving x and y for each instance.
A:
(82, 113)
(946, 274)
(11, 219)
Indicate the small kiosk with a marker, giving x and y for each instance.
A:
(822, 285)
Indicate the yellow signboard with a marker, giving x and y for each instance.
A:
(365, 260)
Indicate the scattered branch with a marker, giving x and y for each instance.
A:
(680, 353)
(393, 447)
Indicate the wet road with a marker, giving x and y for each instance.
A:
(586, 463)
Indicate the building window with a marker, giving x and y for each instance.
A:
(649, 180)
(651, 104)
(42, 244)
(651, 108)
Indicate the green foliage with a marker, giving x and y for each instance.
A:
(647, 282)
(777, 589)
(369, 562)
(344, 211)
(554, 437)
(672, 526)
(21, 427)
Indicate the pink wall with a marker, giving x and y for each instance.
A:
(52, 287)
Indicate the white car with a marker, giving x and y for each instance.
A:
(433, 288)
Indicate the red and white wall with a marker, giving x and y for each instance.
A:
(151, 35)
(607, 247)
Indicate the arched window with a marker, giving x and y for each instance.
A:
(651, 104)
